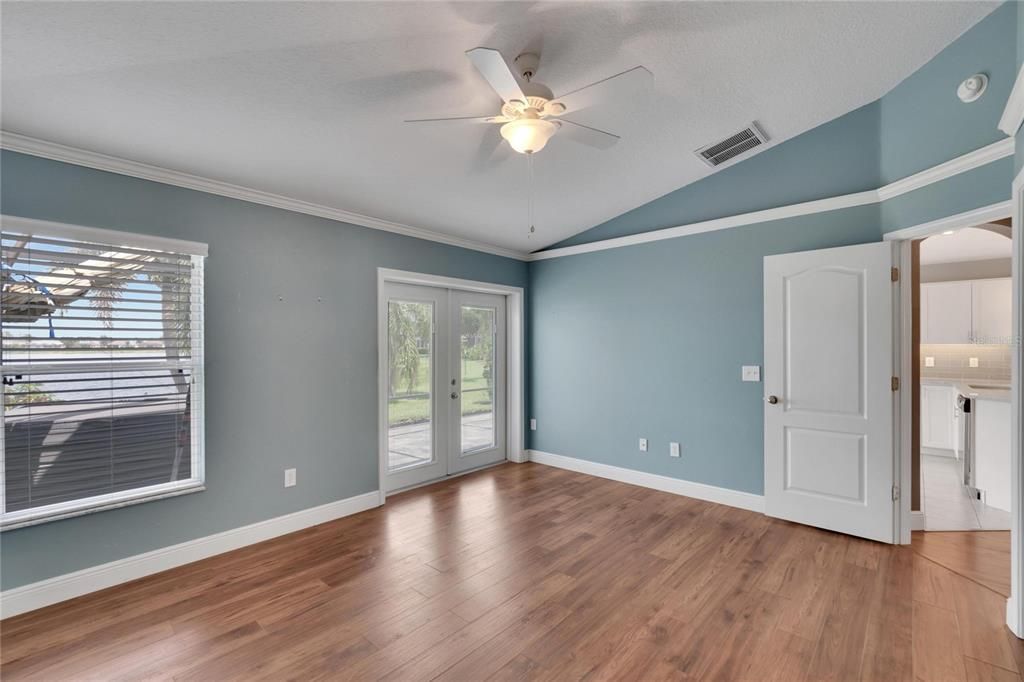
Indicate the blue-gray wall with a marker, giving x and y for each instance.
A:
(648, 340)
(288, 384)
(924, 123)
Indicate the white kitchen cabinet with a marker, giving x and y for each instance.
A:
(991, 303)
(946, 312)
(938, 417)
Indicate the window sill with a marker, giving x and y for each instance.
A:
(67, 510)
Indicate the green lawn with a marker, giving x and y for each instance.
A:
(416, 407)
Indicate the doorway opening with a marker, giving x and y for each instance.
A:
(450, 379)
(958, 352)
(962, 282)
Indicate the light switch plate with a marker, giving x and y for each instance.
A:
(751, 372)
(673, 449)
(973, 362)
(289, 478)
(929, 361)
(643, 445)
(533, 424)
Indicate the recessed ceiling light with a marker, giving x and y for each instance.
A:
(949, 232)
(972, 88)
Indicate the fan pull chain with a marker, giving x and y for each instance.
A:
(530, 200)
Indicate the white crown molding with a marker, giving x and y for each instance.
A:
(961, 164)
(80, 157)
(791, 211)
(1013, 114)
(60, 588)
(667, 484)
(976, 216)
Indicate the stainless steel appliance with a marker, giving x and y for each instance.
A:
(964, 406)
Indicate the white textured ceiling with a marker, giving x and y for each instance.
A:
(965, 245)
(307, 99)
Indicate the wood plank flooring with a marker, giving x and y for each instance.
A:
(529, 572)
(982, 556)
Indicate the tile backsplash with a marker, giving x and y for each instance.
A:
(953, 360)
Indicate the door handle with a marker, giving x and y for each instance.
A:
(455, 396)
(773, 399)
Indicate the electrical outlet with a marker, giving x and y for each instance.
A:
(533, 424)
(929, 361)
(643, 445)
(973, 362)
(289, 478)
(673, 449)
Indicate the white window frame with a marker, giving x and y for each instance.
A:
(62, 510)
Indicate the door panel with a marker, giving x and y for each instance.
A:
(479, 356)
(417, 370)
(820, 307)
(829, 433)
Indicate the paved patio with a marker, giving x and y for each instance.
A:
(409, 444)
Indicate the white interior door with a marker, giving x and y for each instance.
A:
(443, 360)
(829, 404)
(478, 380)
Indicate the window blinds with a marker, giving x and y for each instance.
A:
(102, 365)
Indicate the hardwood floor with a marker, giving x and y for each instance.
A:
(982, 556)
(530, 572)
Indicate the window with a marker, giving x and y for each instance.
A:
(102, 366)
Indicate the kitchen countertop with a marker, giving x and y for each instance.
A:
(970, 387)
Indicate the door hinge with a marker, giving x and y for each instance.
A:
(895, 383)
(895, 274)
(895, 493)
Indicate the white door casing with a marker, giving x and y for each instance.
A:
(829, 349)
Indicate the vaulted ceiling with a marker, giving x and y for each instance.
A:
(308, 100)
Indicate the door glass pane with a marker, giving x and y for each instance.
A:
(476, 361)
(410, 367)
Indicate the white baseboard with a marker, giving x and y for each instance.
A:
(677, 486)
(62, 587)
(916, 520)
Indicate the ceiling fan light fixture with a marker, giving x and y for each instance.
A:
(528, 135)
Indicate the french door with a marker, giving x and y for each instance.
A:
(445, 364)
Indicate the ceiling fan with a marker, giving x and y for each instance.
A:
(531, 114)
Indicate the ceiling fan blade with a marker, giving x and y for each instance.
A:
(592, 137)
(490, 153)
(493, 67)
(623, 85)
(462, 119)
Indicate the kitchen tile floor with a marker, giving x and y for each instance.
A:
(945, 503)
